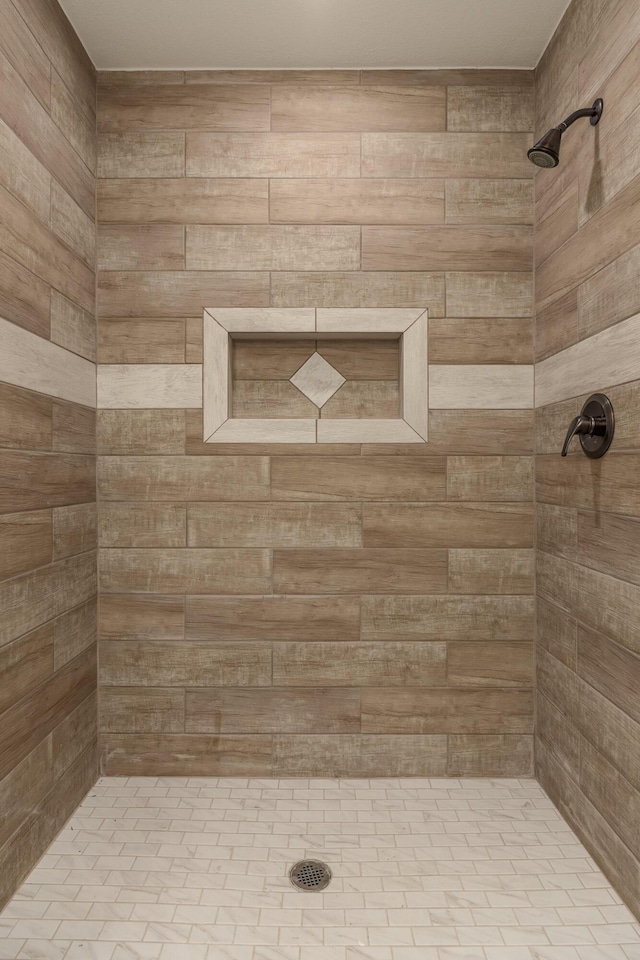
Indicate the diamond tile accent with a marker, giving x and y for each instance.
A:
(317, 379)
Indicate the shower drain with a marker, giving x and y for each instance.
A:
(310, 875)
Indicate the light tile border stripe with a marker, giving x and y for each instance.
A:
(606, 359)
(451, 387)
(222, 325)
(141, 386)
(31, 362)
(481, 387)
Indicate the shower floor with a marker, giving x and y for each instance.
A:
(196, 869)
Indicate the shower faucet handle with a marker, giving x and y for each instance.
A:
(579, 425)
(595, 425)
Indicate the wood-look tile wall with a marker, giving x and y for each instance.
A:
(48, 739)
(298, 610)
(262, 369)
(588, 512)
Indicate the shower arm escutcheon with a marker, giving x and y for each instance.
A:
(595, 425)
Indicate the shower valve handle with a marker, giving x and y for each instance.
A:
(579, 425)
(595, 425)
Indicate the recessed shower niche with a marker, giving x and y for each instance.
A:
(335, 379)
(315, 376)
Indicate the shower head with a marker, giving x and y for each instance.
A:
(546, 152)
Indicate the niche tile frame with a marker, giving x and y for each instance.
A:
(223, 325)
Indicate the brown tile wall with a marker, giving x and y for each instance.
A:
(48, 738)
(315, 609)
(588, 512)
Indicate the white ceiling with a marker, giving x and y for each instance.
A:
(287, 34)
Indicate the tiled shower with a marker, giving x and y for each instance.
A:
(224, 652)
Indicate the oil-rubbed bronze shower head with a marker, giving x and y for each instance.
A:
(546, 152)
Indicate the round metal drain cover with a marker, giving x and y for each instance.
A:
(310, 875)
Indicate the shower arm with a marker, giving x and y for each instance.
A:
(577, 114)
